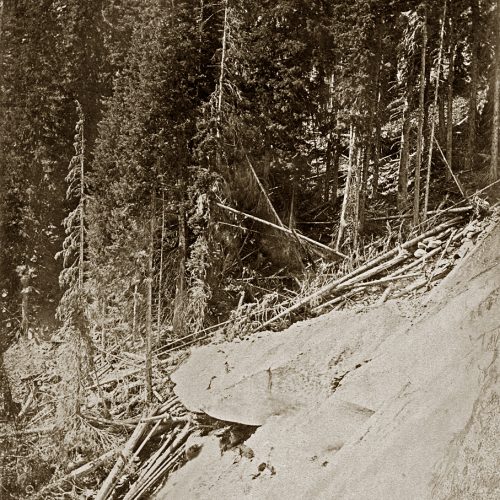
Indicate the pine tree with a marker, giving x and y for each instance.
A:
(72, 309)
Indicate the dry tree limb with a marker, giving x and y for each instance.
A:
(457, 182)
(261, 187)
(163, 348)
(27, 404)
(357, 287)
(118, 424)
(326, 248)
(336, 284)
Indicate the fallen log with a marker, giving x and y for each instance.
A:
(458, 210)
(123, 460)
(380, 281)
(367, 270)
(415, 286)
(160, 472)
(334, 301)
(357, 287)
(157, 468)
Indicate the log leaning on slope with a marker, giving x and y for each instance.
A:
(371, 268)
(126, 453)
(294, 234)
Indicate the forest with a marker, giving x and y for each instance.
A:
(174, 168)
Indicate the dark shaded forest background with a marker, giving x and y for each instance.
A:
(127, 127)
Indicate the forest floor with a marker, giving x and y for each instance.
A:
(391, 401)
(396, 396)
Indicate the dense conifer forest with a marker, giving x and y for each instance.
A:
(168, 168)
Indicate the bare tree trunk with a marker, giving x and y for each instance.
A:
(160, 273)
(335, 172)
(7, 406)
(421, 113)
(347, 189)
(178, 321)
(377, 97)
(24, 278)
(134, 314)
(434, 109)
(403, 161)
(328, 169)
(81, 249)
(363, 187)
(472, 115)
(356, 190)
(218, 157)
(222, 60)
(496, 105)
(442, 117)
(449, 100)
(149, 304)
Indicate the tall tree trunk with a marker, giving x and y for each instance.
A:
(25, 293)
(434, 109)
(377, 97)
(178, 321)
(347, 189)
(474, 74)
(149, 303)
(160, 271)
(7, 406)
(496, 105)
(81, 249)
(222, 61)
(404, 160)
(449, 99)
(442, 118)
(328, 169)
(335, 171)
(357, 191)
(421, 113)
(363, 187)
(222, 71)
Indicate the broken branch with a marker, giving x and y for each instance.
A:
(326, 248)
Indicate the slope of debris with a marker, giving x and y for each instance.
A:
(386, 402)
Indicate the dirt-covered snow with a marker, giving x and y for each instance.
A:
(396, 401)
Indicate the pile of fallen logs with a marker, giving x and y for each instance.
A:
(417, 263)
(155, 447)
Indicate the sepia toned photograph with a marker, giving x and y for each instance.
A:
(249, 250)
